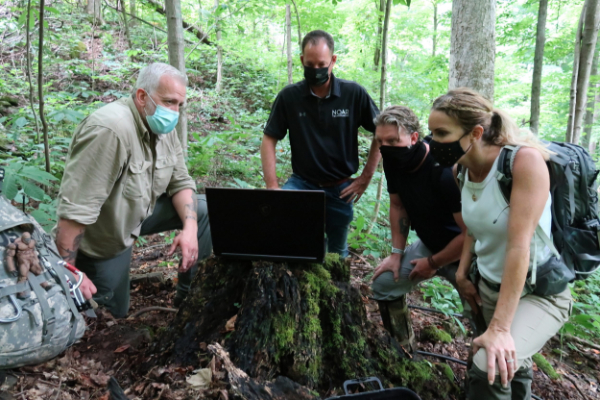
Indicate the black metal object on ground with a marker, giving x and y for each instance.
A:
(380, 394)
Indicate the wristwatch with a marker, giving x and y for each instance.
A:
(397, 251)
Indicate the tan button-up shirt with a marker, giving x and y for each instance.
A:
(115, 171)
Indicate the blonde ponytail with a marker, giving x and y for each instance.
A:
(470, 109)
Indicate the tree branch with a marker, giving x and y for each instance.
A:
(192, 28)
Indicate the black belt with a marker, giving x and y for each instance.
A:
(494, 286)
(332, 183)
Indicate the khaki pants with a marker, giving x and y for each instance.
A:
(111, 275)
(386, 289)
(536, 320)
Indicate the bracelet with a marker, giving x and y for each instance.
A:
(432, 263)
(397, 251)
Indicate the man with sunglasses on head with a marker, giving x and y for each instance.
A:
(322, 114)
(125, 176)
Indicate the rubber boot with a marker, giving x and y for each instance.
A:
(521, 384)
(396, 320)
(480, 389)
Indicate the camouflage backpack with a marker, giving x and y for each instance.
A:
(38, 316)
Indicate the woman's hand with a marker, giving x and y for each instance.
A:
(469, 292)
(500, 348)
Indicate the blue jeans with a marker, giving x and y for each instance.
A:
(338, 213)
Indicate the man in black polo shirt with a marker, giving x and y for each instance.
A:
(424, 197)
(322, 114)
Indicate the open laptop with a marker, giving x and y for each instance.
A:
(260, 224)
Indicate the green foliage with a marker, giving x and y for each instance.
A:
(585, 319)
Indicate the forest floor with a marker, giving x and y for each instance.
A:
(111, 348)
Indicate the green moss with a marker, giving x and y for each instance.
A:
(432, 333)
(545, 366)
(284, 328)
(340, 271)
(446, 370)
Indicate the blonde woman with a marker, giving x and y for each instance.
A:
(467, 130)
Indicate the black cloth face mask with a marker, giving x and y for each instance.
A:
(447, 154)
(402, 160)
(316, 76)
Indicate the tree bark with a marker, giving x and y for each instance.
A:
(588, 47)
(41, 85)
(90, 7)
(28, 50)
(160, 8)
(176, 59)
(299, 28)
(593, 98)
(133, 12)
(288, 27)
(473, 46)
(219, 52)
(301, 322)
(435, 27)
(380, 15)
(125, 24)
(538, 64)
(573, 93)
(98, 12)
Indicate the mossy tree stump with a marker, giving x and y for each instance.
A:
(300, 321)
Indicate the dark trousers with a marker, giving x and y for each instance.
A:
(338, 213)
(111, 275)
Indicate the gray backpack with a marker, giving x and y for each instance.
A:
(41, 326)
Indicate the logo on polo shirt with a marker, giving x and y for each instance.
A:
(340, 113)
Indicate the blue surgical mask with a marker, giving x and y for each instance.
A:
(163, 121)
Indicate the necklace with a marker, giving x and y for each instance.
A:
(473, 194)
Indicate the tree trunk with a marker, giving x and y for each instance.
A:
(435, 27)
(41, 85)
(176, 59)
(538, 64)
(299, 28)
(588, 47)
(382, 95)
(301, 321)
(219, 51)
(473, 46)
(288, 26)
(573, 94)
(90, 7)
(160, 8)
(98, 12)
(380, 15)
(133, 12)
(28, 50)
(593, 98)
(125, 24)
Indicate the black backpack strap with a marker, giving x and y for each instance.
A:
(460, 176)
(506, 160)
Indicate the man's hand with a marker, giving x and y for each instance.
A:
(187, 240)
(422, 270)
(356, 189)
(392, 264)
(469, 292)
(87, 287)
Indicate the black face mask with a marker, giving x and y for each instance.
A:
(447, 154)
(402, 160)
(316, 76)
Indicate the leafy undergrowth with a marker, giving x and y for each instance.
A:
(110, 348)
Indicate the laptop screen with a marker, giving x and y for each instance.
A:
(260, 224)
